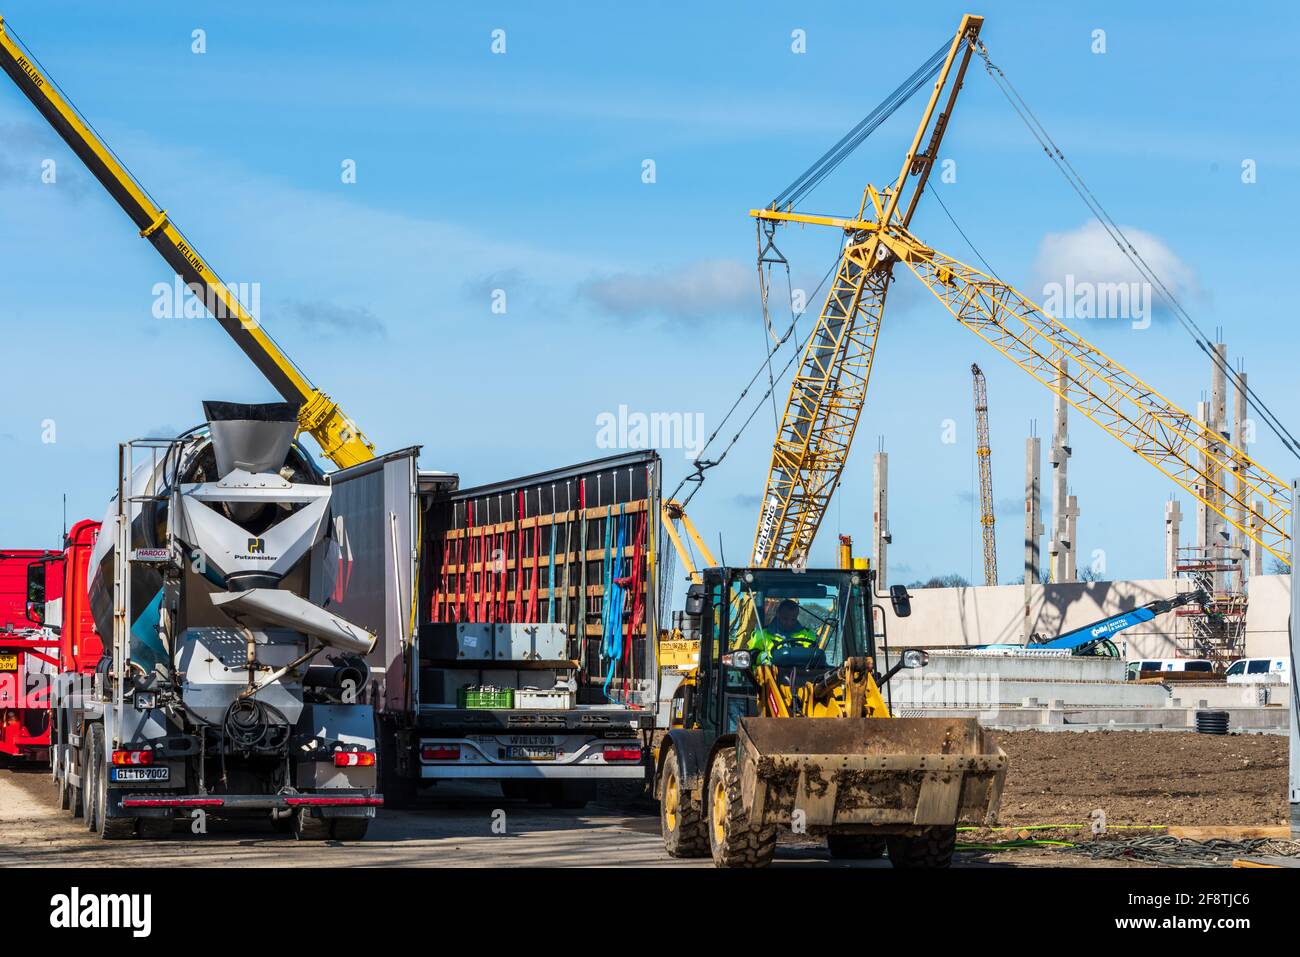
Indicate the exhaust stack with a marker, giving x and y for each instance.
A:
(252, 437)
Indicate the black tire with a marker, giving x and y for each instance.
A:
(89, 770)
(108, 827)
(855, 847)
(306, 827)
(732, 841)
(349, 828)
(930, 850)
(681, 817)
(154, 828)
(398, 791)
(61, 785)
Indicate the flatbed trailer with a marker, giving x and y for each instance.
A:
(512, 621)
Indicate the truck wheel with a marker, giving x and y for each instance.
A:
(109, 828)
(61, 785)
(681, 817)
(349, 828)
(855, 847)
(90, 737)
(933, 849)
(309, 828)
(732, 840)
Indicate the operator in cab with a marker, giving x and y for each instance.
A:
(783, 631)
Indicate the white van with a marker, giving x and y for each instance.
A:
(1250, 671)
(1147, 667)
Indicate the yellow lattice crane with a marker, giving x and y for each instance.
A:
(829, 387)
(336, 434)
(984, 459)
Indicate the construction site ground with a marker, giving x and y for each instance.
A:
(1167, 779)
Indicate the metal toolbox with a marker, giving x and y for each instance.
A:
(531, 642)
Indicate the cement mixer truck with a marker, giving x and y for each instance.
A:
(227, 686)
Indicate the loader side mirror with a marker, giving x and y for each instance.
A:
(901, 600)
(36, 592)
(695, 601)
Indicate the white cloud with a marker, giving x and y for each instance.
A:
(705, 289)
(1089, 254)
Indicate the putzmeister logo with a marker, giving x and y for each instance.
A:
(256, 546)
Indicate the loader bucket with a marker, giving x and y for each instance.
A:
(869, 771)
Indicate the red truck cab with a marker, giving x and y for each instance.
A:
(28, 651)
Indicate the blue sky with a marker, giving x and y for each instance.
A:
(523, 172)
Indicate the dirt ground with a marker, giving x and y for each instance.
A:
(1144, 777)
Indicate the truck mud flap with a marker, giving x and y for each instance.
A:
(869, 771)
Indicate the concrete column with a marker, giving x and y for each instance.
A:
(1218, 408)
(1203, 533)
(1072, 539)
(880, 518)
(1033, 527)
(1256, 550)
(1241, 544)
(1173, 537)
(1059, 544)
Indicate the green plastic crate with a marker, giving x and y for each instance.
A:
(480, 698)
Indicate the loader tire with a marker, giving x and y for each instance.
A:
(733, 842)
(930, 850)
(855, 847)
(681, 817)
(61, 784)
(349, 828)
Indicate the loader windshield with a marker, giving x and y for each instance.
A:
(805, 620)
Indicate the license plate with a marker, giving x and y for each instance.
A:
(531, 752)
(8, 662)
(140, 774)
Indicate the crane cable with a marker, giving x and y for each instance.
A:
(1057, 156)
(829, 161)
(701, 464)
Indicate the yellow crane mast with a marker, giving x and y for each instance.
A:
(830, 385)
(338, 437)
(829, 388)
(983, 457)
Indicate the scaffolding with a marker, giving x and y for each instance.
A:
(1216, 628)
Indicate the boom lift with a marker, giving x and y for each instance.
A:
(338, 437)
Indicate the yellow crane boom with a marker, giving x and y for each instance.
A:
(984, 456)
(338, 437)
(830, 385)
(829, 388)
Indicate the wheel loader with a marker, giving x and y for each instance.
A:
(783, 726)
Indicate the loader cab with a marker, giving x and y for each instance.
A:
(807, 621)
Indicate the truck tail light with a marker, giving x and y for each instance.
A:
(354, 759)
(622, 753)
(132, 757)
(440, 752)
